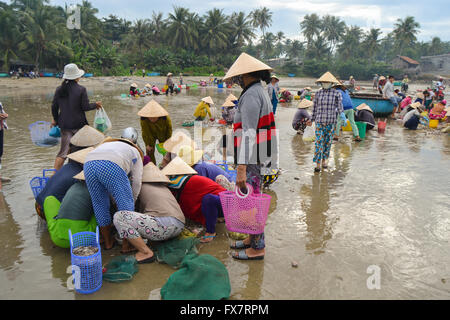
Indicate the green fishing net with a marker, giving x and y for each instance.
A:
(200, 277)
(173, 251)
(120, 269)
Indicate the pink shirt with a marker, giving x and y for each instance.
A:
(407, 101)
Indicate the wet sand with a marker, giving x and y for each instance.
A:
(383, 202)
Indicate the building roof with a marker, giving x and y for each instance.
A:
(409, 60)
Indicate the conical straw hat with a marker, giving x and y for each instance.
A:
(153, 109)
(382, 78)
(420, 95)
(305, 103)
(151, 173)
(208, 100)
(80, 176)
(245, 64)
(228, 103)
(231, 97)
(148, 85)
(178, 167)
(177, 140)
(274, 76)
(328, 77)
(87, 137)
(134, 85)
(189, 155)
(416, 105)
(80, 156)
(364, 106)
(307, 88)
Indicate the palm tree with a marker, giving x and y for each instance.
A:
(350, 44)
(90, 30)
(214, 36)
(436, 47)
(318, 48)
(261, 18)
(294, 49)
(9, 36)
(242, 32)
(141, 34)
(333, 29)
(181, 32)
(311, 27)
(268, 44)
(405, 32)
(371, 43)
(157, 25)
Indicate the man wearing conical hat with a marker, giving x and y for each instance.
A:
(255, 140)
(156, 125)
(159, 216)
(203, 109)
(327, 107)
(62, 180)
(302, 118)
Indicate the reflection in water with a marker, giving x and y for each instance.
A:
(10, 238)
(273, 201)
(253, 286)
(301, 150)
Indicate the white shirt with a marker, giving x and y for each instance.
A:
(388, 90)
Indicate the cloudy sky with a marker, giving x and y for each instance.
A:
(433, 15)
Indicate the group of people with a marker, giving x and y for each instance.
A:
(148, 90)
(114, 184)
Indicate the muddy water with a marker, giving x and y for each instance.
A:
(382, 202)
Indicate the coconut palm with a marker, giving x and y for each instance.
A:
(262, 19)
(333, 29)
(436, 47)
(294, 49)
(311, 26)
(9, 36)
(181, 33)
(157, 25)
(214, 35)
(89, 33)
(318, 48)
(242, 32)
(371, 43)
(350, 42)
(405, 32)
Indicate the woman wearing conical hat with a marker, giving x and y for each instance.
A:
(169, 83)
(273, 90)
(302, 118)
(203, 109)
(156, 126)
(134, 92)
(365, 114)
(255, 138)
(327, 107)
(147, 91)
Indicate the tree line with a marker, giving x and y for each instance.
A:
(184, 41)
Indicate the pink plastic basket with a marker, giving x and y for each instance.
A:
(245, 213)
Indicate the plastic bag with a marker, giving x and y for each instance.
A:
(101, 121)
(55, 132)
(310, 133)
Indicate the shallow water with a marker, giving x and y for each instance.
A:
(383, 202)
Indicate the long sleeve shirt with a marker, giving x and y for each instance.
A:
(161, 130)
(346, 100)
(202, 109)
(388, 90)
(327, 106)
(69, 112)
(125, 156)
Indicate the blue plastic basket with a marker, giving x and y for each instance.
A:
(224, 166)
(37, 184)
(39, 131)
(90, 266)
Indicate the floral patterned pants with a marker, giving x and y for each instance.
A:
(324, 138)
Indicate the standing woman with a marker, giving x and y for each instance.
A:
(155, 125)
(70, 103)
(169, 84)
(3, 126)
(327, 107)
(254, 128)
(273, 89)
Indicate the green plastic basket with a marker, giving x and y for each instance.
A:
(361, 129)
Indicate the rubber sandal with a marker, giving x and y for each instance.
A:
(242, 255)
(316, 169)
(239, 244)
(206, 237)
(148, 260)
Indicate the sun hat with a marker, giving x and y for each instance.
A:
(80, 156)
(87, 137)
(308, 88)
(364, 106)
(211, 75)
(382, 78)
(231, 97)
(305, 103)
(189, 155)
(415, 105)
(152, 173)
(228, 104)
(420, 95)
(245, 64)
(152, 109)
(72, 72)
(178, 167)
(208, 100)
(169, 74)
(328, 77)
(274, 76)
(177, 140)
(148, 85)
(80, 176)
(134, 85)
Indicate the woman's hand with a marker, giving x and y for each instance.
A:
(99, 104)
(3, 115)
(241, 178)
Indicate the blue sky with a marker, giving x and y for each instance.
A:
(287, 14)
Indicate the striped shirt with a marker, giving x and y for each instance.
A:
(327, 106)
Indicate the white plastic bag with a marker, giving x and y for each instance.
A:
(309, 134)
(101, 121)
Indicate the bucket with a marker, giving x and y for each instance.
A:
(381, 126)
(361, 129)
(245, 213)
(434, 123)
(89, 278)
(347, 127)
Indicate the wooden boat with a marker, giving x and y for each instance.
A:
(378, 104)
